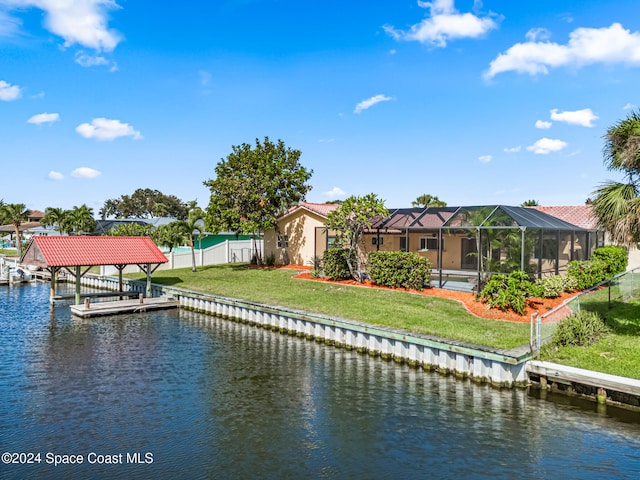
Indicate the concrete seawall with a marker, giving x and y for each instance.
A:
(500, 368)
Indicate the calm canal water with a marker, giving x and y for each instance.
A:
(177, 395)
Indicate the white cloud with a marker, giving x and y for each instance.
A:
(444, 23)
(85, 172)
(81, 22)
(586, 46)
(629, 106)
(85, 60)
(543, 125)
(53, 175)
(513, 149)
(335, 192)
(485, 158)
(545, 146)
(106, 129)
(370, 102)
(41, 118)
(9, 92)
(584, 117)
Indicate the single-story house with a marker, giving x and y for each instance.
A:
(458, 241)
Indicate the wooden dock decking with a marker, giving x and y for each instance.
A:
(122, 306)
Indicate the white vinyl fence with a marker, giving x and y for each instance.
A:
(230, 251)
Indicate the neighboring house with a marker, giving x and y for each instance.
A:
(300, 234)
(509, 237)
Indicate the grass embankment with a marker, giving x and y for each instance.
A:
(394, 309)
(615, 353)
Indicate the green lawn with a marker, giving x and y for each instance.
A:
(616, 353)
(416, 313)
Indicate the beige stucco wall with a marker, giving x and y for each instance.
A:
(451, 255)
(301, 229)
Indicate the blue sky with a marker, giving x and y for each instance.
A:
(493, 102)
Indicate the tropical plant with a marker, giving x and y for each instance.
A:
(80, 221)
(616, 205)
(169, 235)
(253, 186)
(192, 227)
(426, 201)
(131, 229)
(508, 292)
(580, 329)
(529, 203)
(16, 214)
(56, 218)
(350, 221)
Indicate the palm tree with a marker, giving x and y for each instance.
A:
(616, 205)
(190, 226)
(427, 201)
(80, 220)
(16, 214)
(56, 218)
(170, 235)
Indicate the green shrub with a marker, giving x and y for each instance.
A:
(587, 273)
(615, 259)
(399, 269)
(508, 292)
(271, 260)
(335, 265)
(550, 287)
(580, 329)
(570, 283)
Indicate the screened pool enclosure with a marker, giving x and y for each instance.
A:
(469, 244)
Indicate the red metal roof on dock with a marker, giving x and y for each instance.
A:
(66, 251)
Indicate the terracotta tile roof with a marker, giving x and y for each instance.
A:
(579, 215)
(66, 251)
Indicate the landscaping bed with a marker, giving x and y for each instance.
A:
(473, 306)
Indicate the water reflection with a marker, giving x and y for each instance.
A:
(211, 398)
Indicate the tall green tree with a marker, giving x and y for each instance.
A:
(426, 201)
(131, 229)
(351, 220)
(80, 220)
(616, 205)
(145, 203)
(530, 203)
(253, 186)
(56, 218)
(16, 214)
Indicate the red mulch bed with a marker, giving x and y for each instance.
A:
(474, 307)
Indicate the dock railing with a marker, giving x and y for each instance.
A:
(601, 298)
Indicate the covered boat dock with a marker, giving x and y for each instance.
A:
(78, 254)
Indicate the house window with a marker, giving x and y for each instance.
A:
(332, 242)
(377, 240)
(430, 243)
(283, 241)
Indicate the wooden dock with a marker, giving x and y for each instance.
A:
(117, 307)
